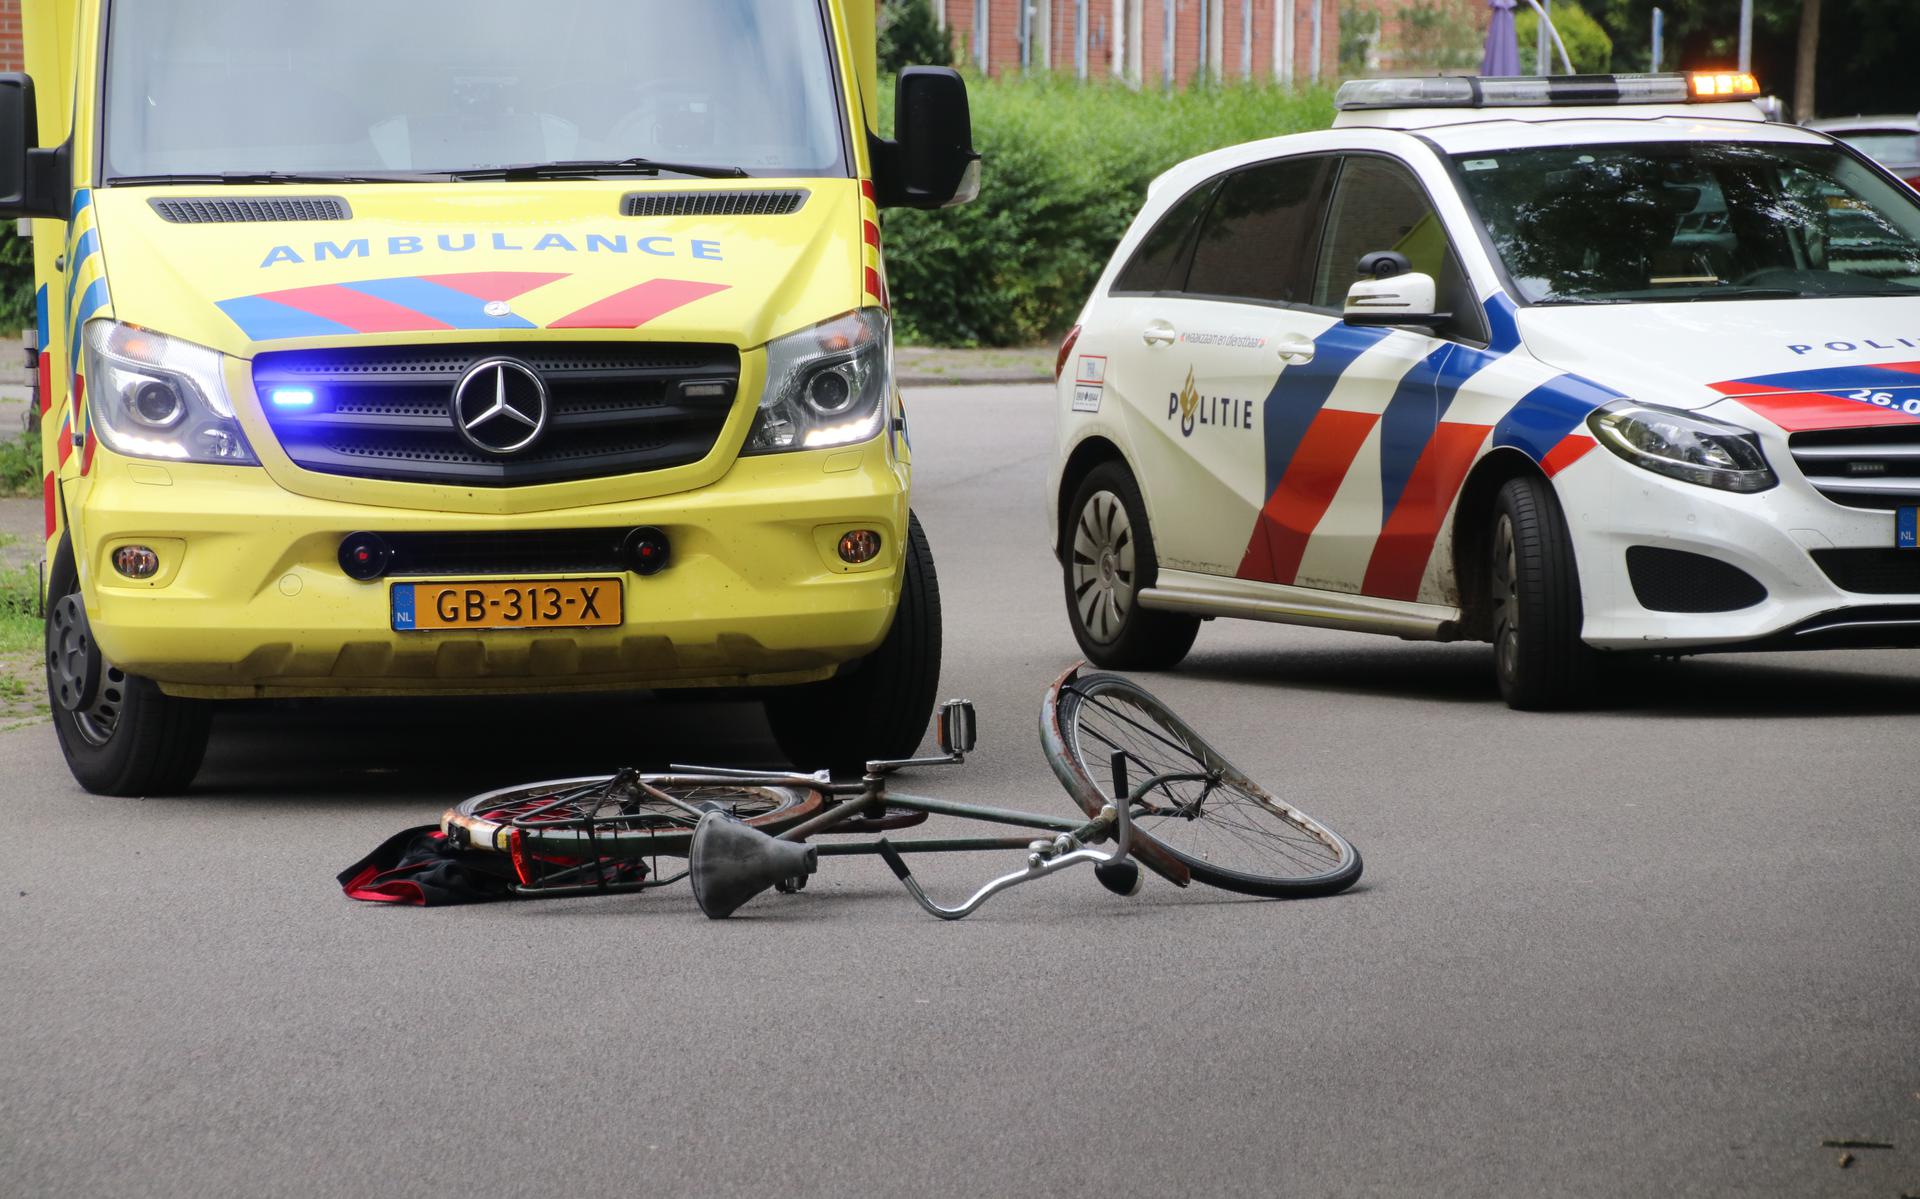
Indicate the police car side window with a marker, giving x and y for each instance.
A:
(1378, 206)
(1159, 263)
(1258, 239)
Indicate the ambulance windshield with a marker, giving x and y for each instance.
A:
(418, 87)
(1694, 220)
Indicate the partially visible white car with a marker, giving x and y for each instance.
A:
(1575, 366)
(1891, 141)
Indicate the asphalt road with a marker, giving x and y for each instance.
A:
(1663, 948)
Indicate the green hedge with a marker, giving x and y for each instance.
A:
(1066, 167)
(16, 281)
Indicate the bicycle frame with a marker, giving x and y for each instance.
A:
(846, 807)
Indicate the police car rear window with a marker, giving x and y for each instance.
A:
(1160, 261)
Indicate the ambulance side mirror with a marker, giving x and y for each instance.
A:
(930, 163)
(33, 182)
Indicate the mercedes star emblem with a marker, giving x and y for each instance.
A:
(500, 406)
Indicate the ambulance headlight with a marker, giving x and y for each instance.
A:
(826, 386)
(153, 396)
(1683, 445)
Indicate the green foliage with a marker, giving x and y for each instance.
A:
(910, 36)
(1699, 33)
(1359, 30)
(1587, 43)
(1066, 166)
(1433, 37)
(20, 469)
(19, 626)
(16, 281)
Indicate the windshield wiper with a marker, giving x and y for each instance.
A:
(1751, 293)
(259, 177)
(622, 166)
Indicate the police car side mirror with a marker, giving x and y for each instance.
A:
(33, 182)
(930, 163)
(1406, 299)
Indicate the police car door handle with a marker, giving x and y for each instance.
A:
(1159, 333)
(1294, 348)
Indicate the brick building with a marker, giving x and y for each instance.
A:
(10, 35)
(1149, 42)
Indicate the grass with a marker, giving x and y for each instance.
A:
(23, 698)
(20, 469)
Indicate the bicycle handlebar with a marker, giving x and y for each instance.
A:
(1043, 858)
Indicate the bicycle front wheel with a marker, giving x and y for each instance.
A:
(1106, 736)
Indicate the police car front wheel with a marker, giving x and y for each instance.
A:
(1534, 601)
(1108, 560)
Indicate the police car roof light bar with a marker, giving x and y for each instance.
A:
(1474, 91)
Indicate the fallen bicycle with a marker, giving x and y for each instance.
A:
(1151, 791)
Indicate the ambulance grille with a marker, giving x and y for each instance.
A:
(1862, 468)
(718, 203)
(227, 211)
(386, 412)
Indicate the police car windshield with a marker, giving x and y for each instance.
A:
(404, 87)
(1663, 221)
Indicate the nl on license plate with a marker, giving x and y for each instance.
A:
(1906, 528)
(507, 604)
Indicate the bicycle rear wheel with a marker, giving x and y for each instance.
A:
(1226, 829)
(611, 816)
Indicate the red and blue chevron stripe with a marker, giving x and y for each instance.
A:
(1837, 397)
(427, 303)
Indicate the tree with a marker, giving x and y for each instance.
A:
(910, 36)
(1359, 32)
(1587, 43)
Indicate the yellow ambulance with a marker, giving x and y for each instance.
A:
(470, 346)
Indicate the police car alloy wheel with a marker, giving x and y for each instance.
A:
(1108, 561)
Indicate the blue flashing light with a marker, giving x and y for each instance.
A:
(292, 397)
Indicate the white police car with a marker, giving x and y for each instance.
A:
(1570, 365)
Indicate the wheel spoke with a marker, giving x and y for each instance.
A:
(1216, 820)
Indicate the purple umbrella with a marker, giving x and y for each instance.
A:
(1502, 56)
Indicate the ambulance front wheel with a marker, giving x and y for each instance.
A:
(120, 734)
(1108, 561)
(880, 706)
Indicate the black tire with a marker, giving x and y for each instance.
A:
(880, 706)
(1227, 830)
(1538, 657)
(130, 738)
(1107, 559)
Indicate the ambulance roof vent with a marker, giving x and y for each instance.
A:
(784, 202)
(225, 210)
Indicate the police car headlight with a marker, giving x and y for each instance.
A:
(1684, 446)
(826, 385)
(153, 396)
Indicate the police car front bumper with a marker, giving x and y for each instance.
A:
(1784, 540)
